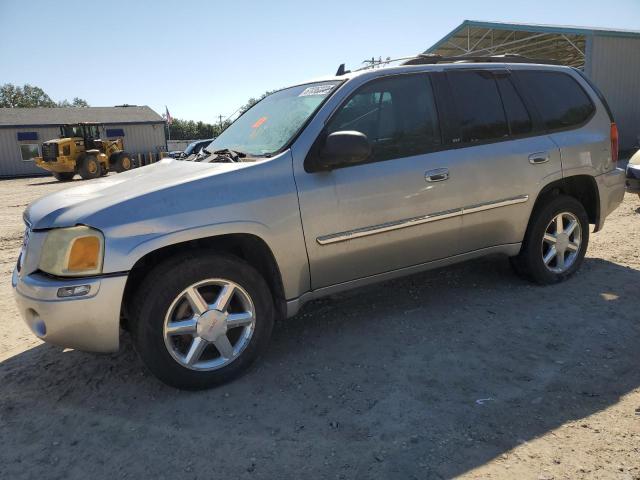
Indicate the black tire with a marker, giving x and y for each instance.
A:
(157, 293)
(529, 263)
(89, 167)
(122, 162)
(64, 176)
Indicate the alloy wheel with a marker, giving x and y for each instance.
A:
(209, 324)
(561, 242)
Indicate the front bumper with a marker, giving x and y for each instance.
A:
(90, 322)
(633, 178)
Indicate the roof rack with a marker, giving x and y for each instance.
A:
(430, 59)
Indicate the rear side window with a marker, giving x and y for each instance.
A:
(397, 114)
(560, 99)
(517, 114)
(480, 113)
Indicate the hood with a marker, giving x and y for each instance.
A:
(74, 205)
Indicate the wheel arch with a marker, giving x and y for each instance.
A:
(249, 247)
(581, 187)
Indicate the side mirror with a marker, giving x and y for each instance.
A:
(343, 148)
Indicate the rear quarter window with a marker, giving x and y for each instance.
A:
(561, 101)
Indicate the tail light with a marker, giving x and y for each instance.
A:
(614, 142)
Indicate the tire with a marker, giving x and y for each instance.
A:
(89, 167)
(64, 176)
(160, 301)
(569, 250)
(122, 162)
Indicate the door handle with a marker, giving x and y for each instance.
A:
(437, 175)
(538, 157)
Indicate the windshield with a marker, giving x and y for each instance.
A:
(70, 131)
(269, 125)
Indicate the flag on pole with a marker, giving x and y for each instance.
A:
(168, 116)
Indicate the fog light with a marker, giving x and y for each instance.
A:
(78, 291)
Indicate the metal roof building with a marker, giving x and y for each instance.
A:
(610, 58)
(23, 130)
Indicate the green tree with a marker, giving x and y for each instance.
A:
(29, 96)
(79, 102)
(190, 130)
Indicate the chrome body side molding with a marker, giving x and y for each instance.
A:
(387, 227)
(411, 222)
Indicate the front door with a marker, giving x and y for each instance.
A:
(396, 210)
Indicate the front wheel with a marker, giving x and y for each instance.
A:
(89, 167)
(201, 319)
(555, 243)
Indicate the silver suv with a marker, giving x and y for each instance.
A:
(319, 188)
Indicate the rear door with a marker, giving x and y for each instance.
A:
(570, 117)
(501, 157)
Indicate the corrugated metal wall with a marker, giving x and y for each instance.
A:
(613, 63)
(11, 163)
(143, 138)
(138, 138)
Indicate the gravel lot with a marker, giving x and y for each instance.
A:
(466, 371)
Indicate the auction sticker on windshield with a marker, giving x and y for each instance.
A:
(316, 90)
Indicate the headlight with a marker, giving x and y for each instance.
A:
(72, 252)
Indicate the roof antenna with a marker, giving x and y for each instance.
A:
(341, 71)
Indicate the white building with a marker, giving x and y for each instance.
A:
(24, 130)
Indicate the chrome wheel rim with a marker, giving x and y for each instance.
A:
(209, 324)
(561, 242)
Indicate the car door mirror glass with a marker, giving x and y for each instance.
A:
(343, 148)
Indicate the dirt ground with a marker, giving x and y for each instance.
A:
(466, 371)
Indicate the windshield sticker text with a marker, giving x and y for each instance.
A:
(316, 90)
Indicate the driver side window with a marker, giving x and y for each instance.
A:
(397, 114)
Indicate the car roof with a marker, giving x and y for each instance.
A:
(438, 67)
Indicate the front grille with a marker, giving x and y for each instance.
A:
(49, 152)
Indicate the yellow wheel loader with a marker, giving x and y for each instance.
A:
(79, 150)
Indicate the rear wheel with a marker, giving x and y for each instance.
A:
(201, 319)
(556, 241)
(89, 167)
(122, 162)
(64, 176)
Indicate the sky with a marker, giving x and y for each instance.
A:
(203, 59)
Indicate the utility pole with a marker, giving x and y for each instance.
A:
(373, 63)
(220, 121)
